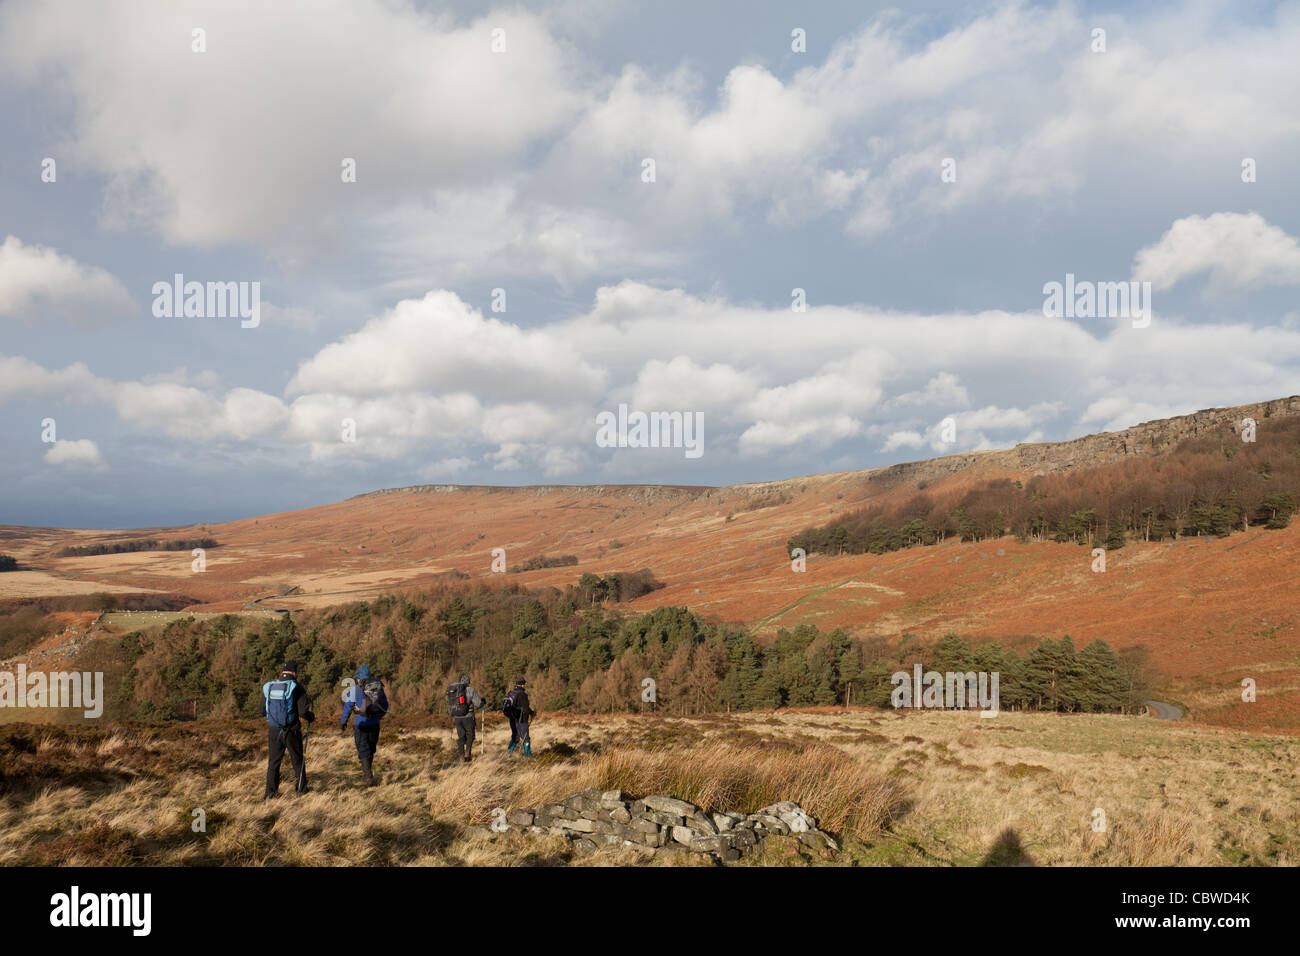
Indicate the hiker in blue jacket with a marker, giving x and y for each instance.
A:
(367, 700)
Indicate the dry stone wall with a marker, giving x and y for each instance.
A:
(660, 823)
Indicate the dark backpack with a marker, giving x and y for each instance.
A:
(510, 707)
(278, 695)
(369, 698)
(457, 700)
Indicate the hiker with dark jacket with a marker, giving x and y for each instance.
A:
(462, 701)
(367, 700)
(519, 713)
(285, 707)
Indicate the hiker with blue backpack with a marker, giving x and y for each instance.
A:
(367, 700)
(288, 716)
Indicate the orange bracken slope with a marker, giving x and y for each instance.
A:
(1213, 611)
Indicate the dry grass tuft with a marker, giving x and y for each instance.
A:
(844, 794)
(1153, 840)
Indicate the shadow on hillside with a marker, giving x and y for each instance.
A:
(438, 836)
(536, 858)
(901, 808)
(95, 784)
(1007, 851)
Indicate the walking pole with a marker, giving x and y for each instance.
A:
(302, 770)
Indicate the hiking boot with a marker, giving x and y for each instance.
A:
(511, 748)
(528, 748)
(367, 777)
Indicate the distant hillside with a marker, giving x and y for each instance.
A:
(1152, 438)
(1212, 609)
(1212, 482)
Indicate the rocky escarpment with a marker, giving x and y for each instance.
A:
(644, 494)
(1152, 438)
(1149, 438)
(661, 823)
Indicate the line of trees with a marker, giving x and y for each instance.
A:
(542, 561)
(8, 562)
(142, 544)
(1206, 486)
(586, 658)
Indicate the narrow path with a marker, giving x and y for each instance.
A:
(818, 592)
(1162, 711)
(815, 592)
(257, 605)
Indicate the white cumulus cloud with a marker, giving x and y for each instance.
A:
(82, 453)
(1235, 249)
(37, 282)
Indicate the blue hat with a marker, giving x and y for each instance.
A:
(363, 672)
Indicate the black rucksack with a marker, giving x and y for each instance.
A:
(458, 700)
(510, 707)
(370, 698)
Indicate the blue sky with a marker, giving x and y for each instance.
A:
(521, 170)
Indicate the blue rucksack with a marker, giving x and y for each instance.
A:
(278, 695)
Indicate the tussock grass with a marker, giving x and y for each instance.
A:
(844, 794)
(1161, 839)
(1018, 790)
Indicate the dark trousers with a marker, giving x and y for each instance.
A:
(465, 735)
(518, 731)
(367, 741)
(278, 741)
